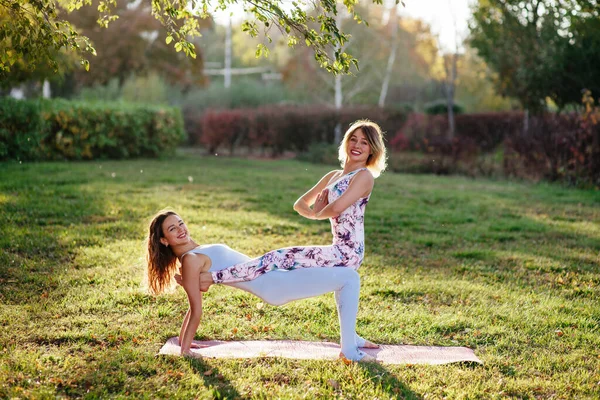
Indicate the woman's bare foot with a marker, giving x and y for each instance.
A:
(368, 358)
(370, 345)
(205, 281)
(365, 358)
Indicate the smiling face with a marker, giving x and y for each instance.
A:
(358, 149)
(174, 231)
(363, 144)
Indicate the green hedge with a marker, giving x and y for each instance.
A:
(440, 106)
(21, 129)
(60, 129)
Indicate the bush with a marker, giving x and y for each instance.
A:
(60, 129)
(488, 130)
(483, 132)
(439, 107)
(389, 119)
(477, 136)
(244, 94)
(21, 129)
(284, 128)
(76, 130)
(562, 147)
(320, 153)
(439, 164)
(227, 128)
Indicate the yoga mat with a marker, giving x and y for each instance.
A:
(389, 354)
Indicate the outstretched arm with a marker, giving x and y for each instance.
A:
(184, 325)
(304, 203)
(191, 283)
(360, 186)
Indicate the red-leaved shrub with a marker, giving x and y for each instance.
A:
(556, 147)
(283, 128)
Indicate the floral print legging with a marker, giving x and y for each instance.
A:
(290, 258)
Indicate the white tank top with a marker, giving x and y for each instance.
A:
(221, 255)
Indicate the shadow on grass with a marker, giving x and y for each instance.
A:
(219, 386)
(388, 382)
(377, 374)
(40, 235)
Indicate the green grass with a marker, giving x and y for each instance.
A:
(509, 269)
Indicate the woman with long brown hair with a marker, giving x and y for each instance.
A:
(340, 196)
(169, 241)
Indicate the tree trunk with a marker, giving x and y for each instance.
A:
(337, 133)
(450, 106)
(227, 72)
(450, 85)
(390, 63)
(46, 91)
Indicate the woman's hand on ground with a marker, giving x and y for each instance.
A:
(190, 354)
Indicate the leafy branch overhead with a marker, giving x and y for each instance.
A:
(34, 31)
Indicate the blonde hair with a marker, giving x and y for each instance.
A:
(162, 262)
(376, 163)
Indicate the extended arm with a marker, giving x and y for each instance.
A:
(360, 186)
(184, 325)
(191, 283)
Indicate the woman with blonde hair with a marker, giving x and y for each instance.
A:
(339, 195)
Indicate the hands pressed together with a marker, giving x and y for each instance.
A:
(322, 201)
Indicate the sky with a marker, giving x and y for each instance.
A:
(440, 14)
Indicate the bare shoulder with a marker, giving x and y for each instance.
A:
(365, 177)
(332, 175)
(195, 263)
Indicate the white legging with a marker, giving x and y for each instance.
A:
(279, 287)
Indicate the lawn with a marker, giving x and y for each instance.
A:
(509, 269)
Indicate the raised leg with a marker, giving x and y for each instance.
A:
(289, 258)
(281, 287)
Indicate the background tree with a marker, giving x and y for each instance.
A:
(33, 42)
(475, 88)
(579, 64)
(135, 44)
(408, 74)
(527, 42)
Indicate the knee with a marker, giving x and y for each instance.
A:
(355, 278)
(351, 277)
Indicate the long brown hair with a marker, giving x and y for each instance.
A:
(161, 259)
(376, 163)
